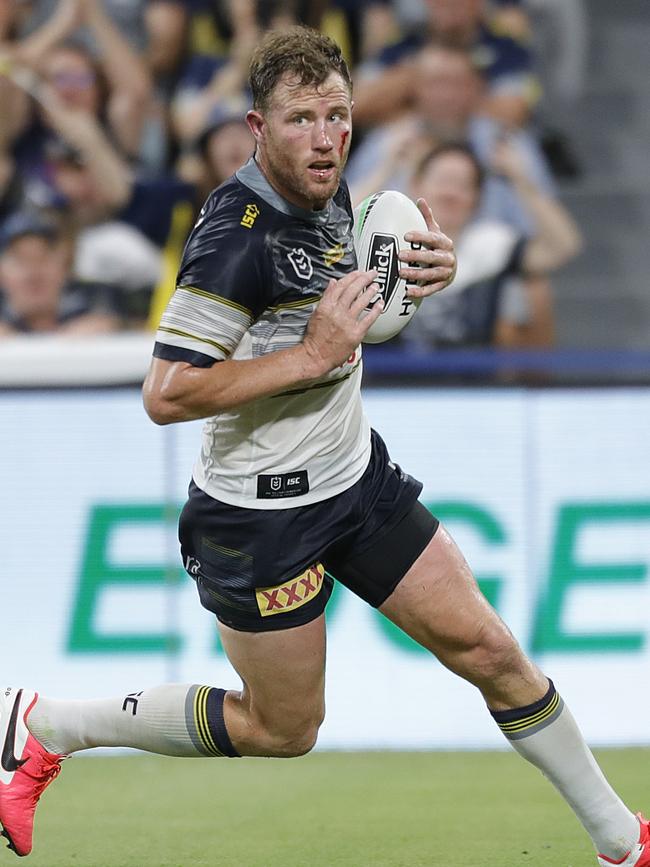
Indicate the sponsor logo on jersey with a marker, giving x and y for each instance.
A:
(292, 484)
(292, 594)
(382, 257)
(334, 255)
(301, 263)
(251, 213)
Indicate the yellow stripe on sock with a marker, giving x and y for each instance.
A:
(540, 716)
(201, 701)
(201, 718)
(197, 723)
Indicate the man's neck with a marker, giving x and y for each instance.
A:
(292, 199)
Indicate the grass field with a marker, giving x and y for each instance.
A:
(324, 810)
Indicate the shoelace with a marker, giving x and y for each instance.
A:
(47, 769)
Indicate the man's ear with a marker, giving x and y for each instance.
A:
(256, 124)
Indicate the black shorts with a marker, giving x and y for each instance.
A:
(266, 569)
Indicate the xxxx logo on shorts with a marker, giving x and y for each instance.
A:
(292, 594)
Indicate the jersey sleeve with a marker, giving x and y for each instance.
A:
(220, 289)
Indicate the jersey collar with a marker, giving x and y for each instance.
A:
(252, 177)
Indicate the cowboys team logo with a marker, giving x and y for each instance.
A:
(293, 593)
(301, 263)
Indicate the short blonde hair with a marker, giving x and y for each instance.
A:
(298, 51)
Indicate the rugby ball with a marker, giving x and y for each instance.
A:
(380, 223)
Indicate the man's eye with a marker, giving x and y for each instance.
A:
(300, 120)
(336, 116)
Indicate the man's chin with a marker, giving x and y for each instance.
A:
(322, 191)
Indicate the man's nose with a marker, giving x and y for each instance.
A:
(321, 139)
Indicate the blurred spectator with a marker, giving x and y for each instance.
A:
(167, 24)
(128, 16)
(506, 62)
(447, 94)
(36, 292)
(224, 146)
(11, 184)
(559, 31)
(215, 74)
(87, 180)
(483, 305)
(112, 85)
(144, 227)
(210, 80)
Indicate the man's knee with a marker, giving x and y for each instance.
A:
(494, 654)
(290, 746)
(291, 738)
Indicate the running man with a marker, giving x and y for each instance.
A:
(262, 339)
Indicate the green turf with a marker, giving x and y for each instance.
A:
(325, 810)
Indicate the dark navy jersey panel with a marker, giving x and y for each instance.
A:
(245, 250)
(224, 255)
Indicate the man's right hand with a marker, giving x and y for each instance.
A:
(338, 325)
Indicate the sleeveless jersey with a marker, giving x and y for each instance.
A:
(252, 272)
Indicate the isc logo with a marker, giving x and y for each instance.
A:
(251, 213)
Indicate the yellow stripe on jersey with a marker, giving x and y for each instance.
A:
(218, 299)
(294, 305)
(189, 336)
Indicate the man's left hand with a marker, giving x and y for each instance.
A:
(435, 262)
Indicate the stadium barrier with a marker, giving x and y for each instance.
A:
(546, 490)
(122, 359)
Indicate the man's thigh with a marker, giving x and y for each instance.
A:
(438, 602)
(283, 673)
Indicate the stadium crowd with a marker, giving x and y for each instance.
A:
(117, 117)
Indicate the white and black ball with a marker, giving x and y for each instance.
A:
(380, 223)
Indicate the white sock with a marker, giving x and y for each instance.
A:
(172, 720)
(546, 734)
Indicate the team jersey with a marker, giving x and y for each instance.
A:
(253, 270)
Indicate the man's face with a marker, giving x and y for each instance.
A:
(303, 139)
(32, 274)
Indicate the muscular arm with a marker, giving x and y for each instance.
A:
(177, 391)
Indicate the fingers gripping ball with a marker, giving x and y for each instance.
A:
(380, 223)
